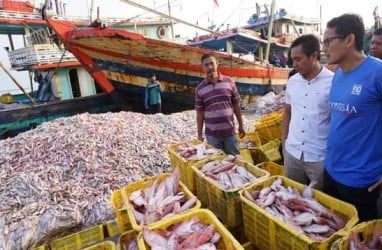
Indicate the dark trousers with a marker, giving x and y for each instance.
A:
(153, 109)
(361, 198)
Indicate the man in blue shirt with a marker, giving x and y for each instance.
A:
(153, 95)
(353, 165)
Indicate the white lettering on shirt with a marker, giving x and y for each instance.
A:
(343, 107)
(356, 90)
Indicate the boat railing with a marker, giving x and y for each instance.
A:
(17, 15)
(38, 54)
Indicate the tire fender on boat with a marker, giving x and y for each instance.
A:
(161, 32)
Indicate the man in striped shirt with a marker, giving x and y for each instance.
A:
(216, 102)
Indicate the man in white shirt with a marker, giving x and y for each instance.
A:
(306, 113)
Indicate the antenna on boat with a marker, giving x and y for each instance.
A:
(230, 15)
(167, 16)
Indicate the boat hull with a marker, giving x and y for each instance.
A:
(123, 60)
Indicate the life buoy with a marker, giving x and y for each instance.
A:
(161, 31)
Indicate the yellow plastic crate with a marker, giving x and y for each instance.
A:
(105, 245)
(248, 246)
(258, 156)
(42, 247)
(272, 168)
(125, 238)
(245, 154)
(268, 232)
(186, 173)
(141, 184)
(238, 232)
(112, 228)
(249, 138)
(272, 144)
(267, 152)
(227, 241)
(364, 230)
(249, 141)
(225, 204)
(269, 127)
(120, 208)
(79, 240)
(6, 98)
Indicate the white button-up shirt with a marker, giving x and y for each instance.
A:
(310, 115)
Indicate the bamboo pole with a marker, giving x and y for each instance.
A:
(15, 81)
(270, 28)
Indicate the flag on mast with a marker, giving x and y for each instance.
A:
(216, 3)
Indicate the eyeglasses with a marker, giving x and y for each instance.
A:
(328, 40)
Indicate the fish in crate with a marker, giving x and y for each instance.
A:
(199, 229)
(195, 151)
(279, 213)
(355, 242)
(218, 182)
(183, 155)
(158, 198)
(297, 209)
(227, 174)
(128, 241)
(364, 236)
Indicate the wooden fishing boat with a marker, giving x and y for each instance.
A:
(65, 88)
(251, 40)
(121, 61)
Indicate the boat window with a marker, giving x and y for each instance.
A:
(74, 83)
(287, 29)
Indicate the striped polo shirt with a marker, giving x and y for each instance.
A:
(216, 100)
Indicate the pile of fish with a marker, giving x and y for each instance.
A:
(300, 211)
(375, 243)
(59, 176)
(190, 151)
(186, 235)
(227, 174)
(159, 200)
(266, 104)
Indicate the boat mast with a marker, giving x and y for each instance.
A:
(91, 11)
(171, 22)
(270, 28)
(167, 16)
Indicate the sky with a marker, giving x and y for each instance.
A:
(201, 12)
(233, 12)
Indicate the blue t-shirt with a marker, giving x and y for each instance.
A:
(354, 153)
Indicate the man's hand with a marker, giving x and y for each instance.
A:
(377, 185)
(241, 132)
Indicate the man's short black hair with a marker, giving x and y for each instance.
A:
(309, 44)
(152, 74)
(207, 55)
(347, 24)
